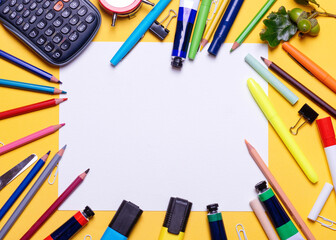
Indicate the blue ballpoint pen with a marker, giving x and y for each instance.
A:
(225, 26)
(141, 29)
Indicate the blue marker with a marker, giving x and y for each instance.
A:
(141, 29)
(225, 26)
(123, 222)
(184, 26)
(216, 223)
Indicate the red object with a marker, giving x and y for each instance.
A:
(80, 218)
(31, 108)
(326, 131)
(55, 206)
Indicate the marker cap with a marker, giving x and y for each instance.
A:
(327, 132)
(125, 218)
(177, 215)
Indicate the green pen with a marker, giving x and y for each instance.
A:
(252, 24)
(199, 28)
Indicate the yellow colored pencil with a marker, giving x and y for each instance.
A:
(213, 23)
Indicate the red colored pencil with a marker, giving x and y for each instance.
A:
(72, 187)
(31, 108)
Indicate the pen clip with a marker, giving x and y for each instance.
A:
(51, 183)
(215, 2)
(300, 64)
(89, 236)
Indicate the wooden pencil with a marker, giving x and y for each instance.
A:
(278, 190)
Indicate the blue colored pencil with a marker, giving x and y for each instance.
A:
(141, 29)
(29, 67)
(225, 25)
(16, 194)
(30, 87)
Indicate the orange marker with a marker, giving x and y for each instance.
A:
(310, 66)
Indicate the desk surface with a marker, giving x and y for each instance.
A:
(300, 191)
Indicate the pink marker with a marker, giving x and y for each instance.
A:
(327, 134)
(30, 138)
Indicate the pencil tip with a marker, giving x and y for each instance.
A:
(62, 124)
(246, 142)
(64, 99)
(262, 58)
(60, 82)
(64, 92)
(234, 46)
(87, 170)
(48, 152)
(65, 146)
(231, 50)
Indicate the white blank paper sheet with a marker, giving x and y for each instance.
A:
(149, 132)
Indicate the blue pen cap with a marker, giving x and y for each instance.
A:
(123, 221)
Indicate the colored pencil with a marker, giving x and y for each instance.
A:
(278, 190)
(213, 23)
(39, 72)
(30, 138)
(309, 94)
(311, 66)
(252, 24)
(44, 175)
(72, 187)
(31, 108)
(30, 176)
(30, 87)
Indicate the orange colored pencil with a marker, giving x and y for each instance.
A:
(278, 190)
(311, 66)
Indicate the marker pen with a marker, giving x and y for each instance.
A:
(216, 223)
(184, 26)
(72, 226)
(176, 219)
(282, 223)
(123, 222)
(327, 134)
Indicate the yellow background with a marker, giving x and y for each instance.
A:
(300, 191)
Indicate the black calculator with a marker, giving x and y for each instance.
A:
(58, 30)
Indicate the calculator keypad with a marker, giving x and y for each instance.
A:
(57, 28)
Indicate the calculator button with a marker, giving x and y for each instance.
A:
(41, 40)
(74, 4)
(58, 6)
(12, 15)
(65, 45)
(73, 36)
(50, 31)
(74, 20)
(26, 1)
(46, 4)
(12, 3)
(82, 11)
(42, 24)
(32, 19)
(81, 27)
(50, 15)
(57, 38)
(5, 10)
(25, 27)
(39, 12)
(19, 21)
(38, 1)
(66, 29)
(49, 47)
(19, 7)
(57, 54)
(58, 22)
(66, 13)
(90, 18)
(26, 13)
(33, 33)
(33, 6)
(66, 0)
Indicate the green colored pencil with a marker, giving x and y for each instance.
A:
(252, 24)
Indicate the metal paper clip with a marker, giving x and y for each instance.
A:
(309, 116)
(2, 143)
(51, 183)
(215, 2)
(242, 230)
(158, 29)
(327, 225)
(89, 236)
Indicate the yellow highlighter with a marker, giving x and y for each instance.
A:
(176, 219)
(272, 116)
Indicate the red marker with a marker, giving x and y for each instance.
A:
(31, 108)
(327, 134)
